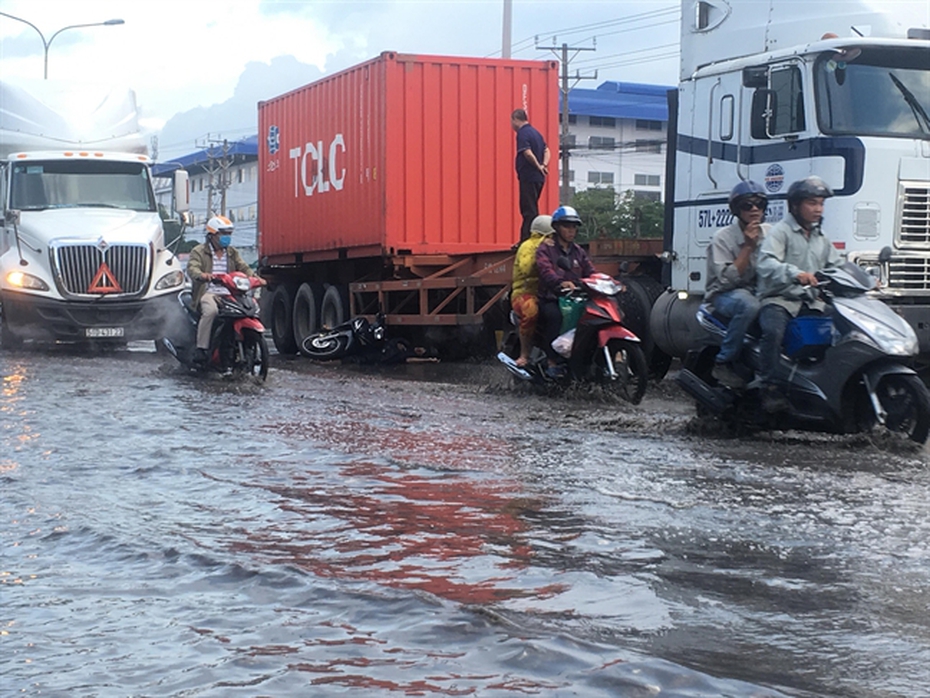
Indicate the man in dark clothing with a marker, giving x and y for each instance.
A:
(532, 165)
(562, 264)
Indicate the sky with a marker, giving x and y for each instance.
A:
(199, 67)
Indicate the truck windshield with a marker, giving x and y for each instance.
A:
(881, 92)
(81, 183)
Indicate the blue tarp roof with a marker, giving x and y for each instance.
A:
(621, 100)
(247, 147)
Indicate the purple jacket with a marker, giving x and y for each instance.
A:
(551, 274)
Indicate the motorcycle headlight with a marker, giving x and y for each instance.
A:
(170, 280)
(242, 283)
(21, 279)
(897, 342)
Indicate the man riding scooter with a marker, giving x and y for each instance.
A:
(562, 263)
(793, 250)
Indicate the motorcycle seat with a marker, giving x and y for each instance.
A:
(712, 320)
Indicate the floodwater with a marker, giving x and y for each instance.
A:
(430, 531)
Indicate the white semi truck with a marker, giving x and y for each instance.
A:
(776, 90)
(82, 247)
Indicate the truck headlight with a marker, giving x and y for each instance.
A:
(170, 280)
(21, 279)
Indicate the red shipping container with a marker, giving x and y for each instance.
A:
(403, 154)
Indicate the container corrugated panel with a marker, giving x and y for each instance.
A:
(403, 154)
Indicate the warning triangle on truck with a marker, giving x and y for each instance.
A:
(104, 281)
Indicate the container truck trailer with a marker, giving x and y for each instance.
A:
(390, 186)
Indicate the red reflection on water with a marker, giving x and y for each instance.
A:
(446, 529)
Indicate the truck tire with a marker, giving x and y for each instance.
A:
(306, 317)
(637, 306)
(334, 309)
(282, 320)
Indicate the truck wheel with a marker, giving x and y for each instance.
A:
(305, 320)
(334, 309)
(282, 322)
(637, 306)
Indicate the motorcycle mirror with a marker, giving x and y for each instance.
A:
(885, 255)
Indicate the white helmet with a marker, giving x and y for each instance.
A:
(219, 224)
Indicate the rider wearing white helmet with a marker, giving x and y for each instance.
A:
(213, 254)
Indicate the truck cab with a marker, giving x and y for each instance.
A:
(783, 97)
(82, 253)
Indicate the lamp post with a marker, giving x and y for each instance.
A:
(46, 44)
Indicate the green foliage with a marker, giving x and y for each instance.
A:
(606, 215)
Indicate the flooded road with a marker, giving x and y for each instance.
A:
(426, 530)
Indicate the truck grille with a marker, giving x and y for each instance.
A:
(87, 270)
(914, 230)
(909, 274)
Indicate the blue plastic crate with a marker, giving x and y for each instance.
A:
(808, 336)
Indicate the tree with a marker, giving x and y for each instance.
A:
(627, 216)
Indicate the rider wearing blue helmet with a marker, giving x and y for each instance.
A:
(562, 263)
(731, 274)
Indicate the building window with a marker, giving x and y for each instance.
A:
(644, 146)
(600, 177)
(648, 125)
(644, 180)
(601, 143)
(605, 121)
(647, 195)
(572, 118)
(571, 175)
(569, 140)
(239, 176)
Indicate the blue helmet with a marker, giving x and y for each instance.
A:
(745, 190)
(566, 214)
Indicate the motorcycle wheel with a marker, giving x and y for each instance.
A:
(631, 367)
(325, 345)
(907, 403)
(255, 350)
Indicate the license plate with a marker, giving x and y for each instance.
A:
(98, 332)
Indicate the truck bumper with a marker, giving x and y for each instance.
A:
(918, 317)
(30, 317)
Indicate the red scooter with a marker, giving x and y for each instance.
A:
(237, 342)
(602, 351)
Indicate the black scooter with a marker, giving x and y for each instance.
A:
(846, 378)
(357, 338)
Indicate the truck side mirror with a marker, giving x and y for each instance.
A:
(885, 255)
(12, 216)
(755, 77)
(764, 102)
(182, 191)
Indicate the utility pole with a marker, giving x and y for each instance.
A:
(564, 152)
(218, 168)
(507, 23)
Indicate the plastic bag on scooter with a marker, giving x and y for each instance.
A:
(563, 343)
(571, 312)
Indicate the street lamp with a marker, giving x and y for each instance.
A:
(46, 44)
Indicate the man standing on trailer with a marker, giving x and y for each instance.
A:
(532, 167)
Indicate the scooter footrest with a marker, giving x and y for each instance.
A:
(717, 400)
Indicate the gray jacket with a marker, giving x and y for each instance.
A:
(722, 274)
(785, 253)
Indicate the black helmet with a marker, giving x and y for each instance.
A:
(809, 188)
(747, 190)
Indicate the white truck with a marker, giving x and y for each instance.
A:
(776, 90)
(82, 248)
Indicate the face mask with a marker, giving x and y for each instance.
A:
(225, 240)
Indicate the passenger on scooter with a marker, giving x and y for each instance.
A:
(215, 253)
(793, 250)
(562, 263)
(731, 275)
(525, 286)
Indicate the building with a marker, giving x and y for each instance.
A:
(227, 176)
(617, 137)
